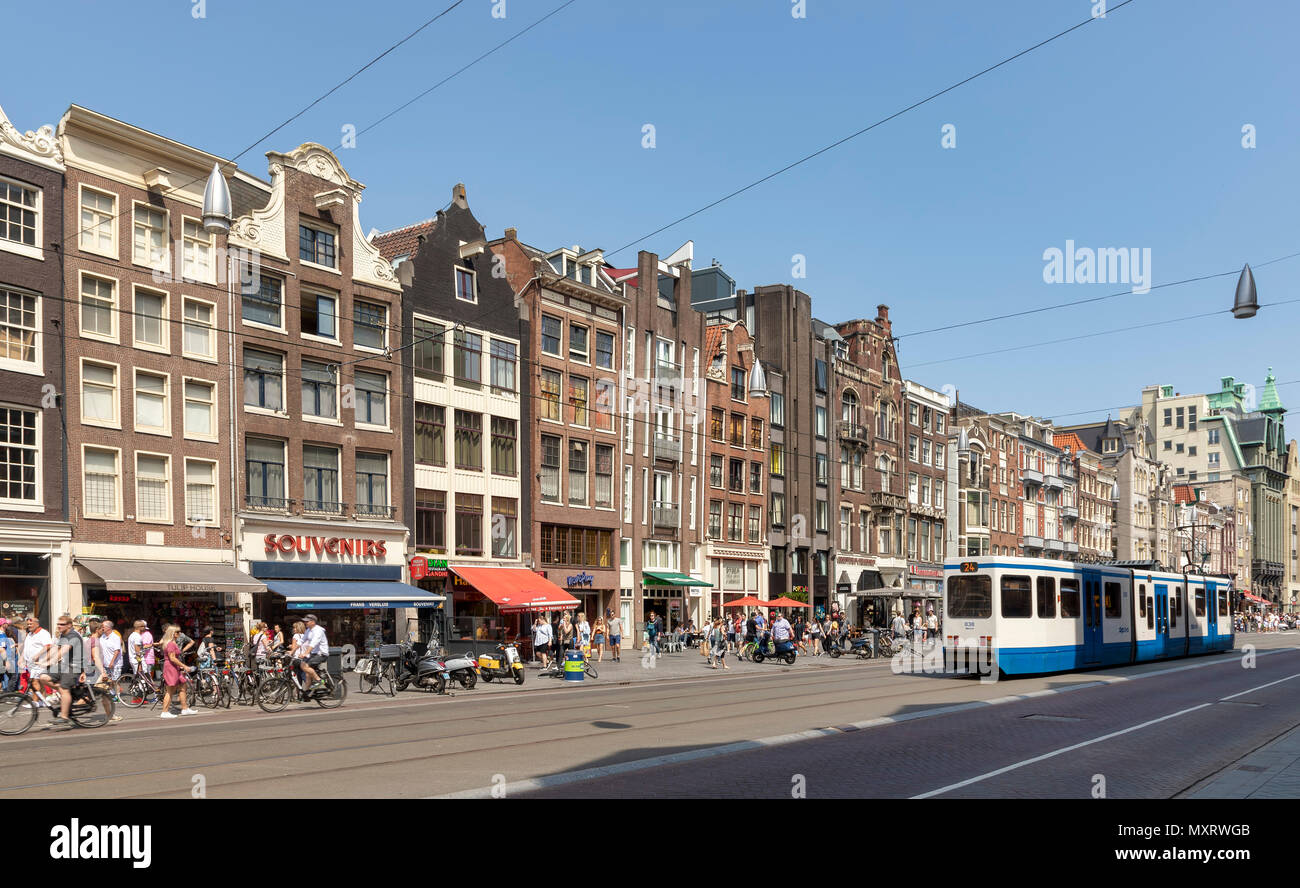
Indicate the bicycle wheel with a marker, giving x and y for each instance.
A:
(208, 690)
(338, 692)
(17, 713)
(590, 670)
(135, 692)
(89, 711)
(273, 694)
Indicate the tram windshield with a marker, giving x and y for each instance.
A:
(970, 596)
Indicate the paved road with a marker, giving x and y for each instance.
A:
(418, 745)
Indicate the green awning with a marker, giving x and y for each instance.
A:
(668, 578)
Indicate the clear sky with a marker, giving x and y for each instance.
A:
(1124, 134)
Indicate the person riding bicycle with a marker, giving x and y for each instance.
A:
(313, 652)
(66, 659)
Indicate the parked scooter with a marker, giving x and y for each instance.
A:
(504, 664)
(424, 671)
(463, 669)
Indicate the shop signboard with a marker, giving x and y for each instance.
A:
(419, 568)
(582, 579)
(16, 610)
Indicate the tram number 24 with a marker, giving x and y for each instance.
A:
(969, 567)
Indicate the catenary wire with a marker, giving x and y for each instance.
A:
(865, 129)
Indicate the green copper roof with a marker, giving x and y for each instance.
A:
(1269, 401)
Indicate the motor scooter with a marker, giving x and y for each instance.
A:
(424, 671)
(462, 668)
(504, 664)
(771, 650)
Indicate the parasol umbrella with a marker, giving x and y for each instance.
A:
(786, 602)
(747, 601)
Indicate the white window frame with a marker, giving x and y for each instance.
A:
(190, 520)
(116, 422)
(164, 263)
(284, 285)
(36, 366)
(456, 272)
(166, 429)
(37, 504)
(388, 403)
(306, 292)
(383, 329)
(284, 389)
(167, 462)
(115, 334)
(212, 410)
(117, 462)
(164, 320)
(212, 329)
(112, 250)
(31, 251)
(188, 242)
(323, 228)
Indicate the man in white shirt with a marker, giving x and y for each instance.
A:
(315, 650)
(34, 646)
(781, 633)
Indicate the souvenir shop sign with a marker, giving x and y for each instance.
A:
(324, 548)
(582, 579)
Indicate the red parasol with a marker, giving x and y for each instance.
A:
(786, 602)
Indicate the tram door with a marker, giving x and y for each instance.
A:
(1162, 619)
(1212, 613)
(1091, 616)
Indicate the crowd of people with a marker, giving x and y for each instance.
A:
(1266, 622)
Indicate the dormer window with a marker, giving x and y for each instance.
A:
(465, 290)
(315, 245)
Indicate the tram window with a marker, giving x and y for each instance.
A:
(1142, 601)
(1178, 600)
(1223, 603)
(1175, 605)
(1070, 599)
(1046, 597)
(1151, 614)
(1113, 608)
(970, 596)
(1016, 599)
(1200, 602)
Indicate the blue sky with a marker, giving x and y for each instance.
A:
(1126, 133)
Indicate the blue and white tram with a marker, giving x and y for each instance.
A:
(1041, 615)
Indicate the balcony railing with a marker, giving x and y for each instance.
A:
(1071, 512)
(668, 447)
(1031, 476)
(324, 507)
(1033, 542)
(853, 432)
(666, 515)
(1055, 545)
(1053, 482)
(267, 503)
(371, 510)
(1072, 548)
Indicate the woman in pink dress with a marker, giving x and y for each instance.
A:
(174, 673)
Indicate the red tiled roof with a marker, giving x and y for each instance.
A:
(1068, 439)
(617, 273)
(712, 339)
(1183, 494)
(402, 241)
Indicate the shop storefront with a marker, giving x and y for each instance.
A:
(33, 569)
(736, 571)
(194, 595)
(667, 594)
(495, 604)
(924, 589)
(349, 574)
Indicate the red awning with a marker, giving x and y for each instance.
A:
(516, 588)
(1250, 596)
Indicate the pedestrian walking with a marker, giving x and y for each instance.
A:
(932, 625)
(110, 652)
(97, 672)
(598, 638)
(34, 645)
(815, 637)
(718, 642)
(566, 634)
(8, 656)
(140, 649)
(582, 634)
(652, 633)
(542, 639)
(615, 635)
(174, 674)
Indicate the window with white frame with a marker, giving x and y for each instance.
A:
(149, 237)
(262, 301)
(151, 326)
(263, 380)
(98, 222)
(20, 213)
(196, 251)
(20, 457)
(369, 325)
(151, 395)
(466, 291)
(99, 394)
(372, 398)
(200, 409)
(319, 315)
(200, 339)
(98, 307)
(102, 496)
(152, 487)
(20, 328)
(316, 245)
(200, 491)
(319, 390)
(372, 484)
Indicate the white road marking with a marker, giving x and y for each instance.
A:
(1054, 753)
(1260, 688)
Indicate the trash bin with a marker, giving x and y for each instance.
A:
(875, 642)
(574, 666)
(334, 661)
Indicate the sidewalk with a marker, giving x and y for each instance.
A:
(1270, 772)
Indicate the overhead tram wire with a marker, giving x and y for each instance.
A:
(284, 123)
(866, 129)
(1089, 300)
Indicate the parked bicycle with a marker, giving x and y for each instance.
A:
(19, 710)
(137, 689)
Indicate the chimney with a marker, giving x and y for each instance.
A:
(882, 312)
(512, 234)
(458, 196)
